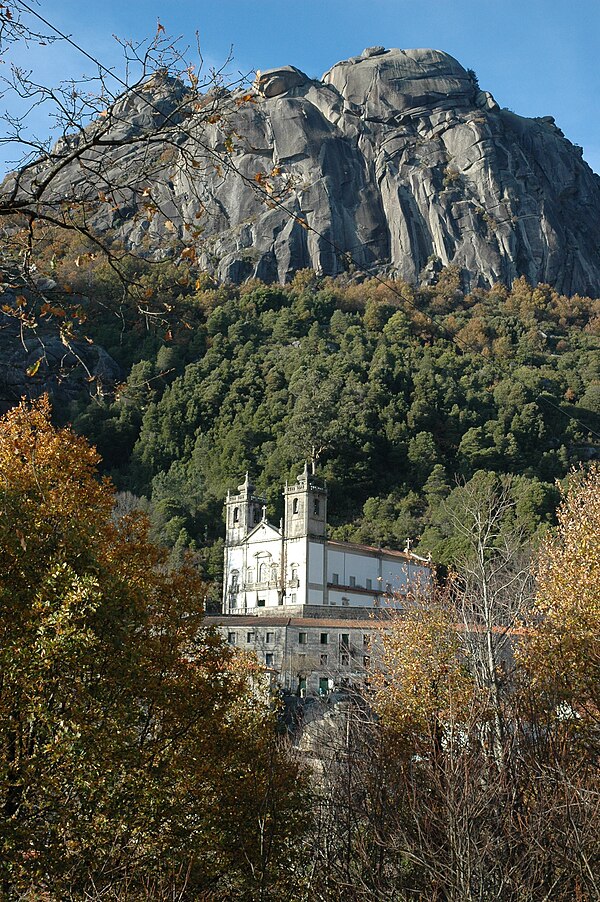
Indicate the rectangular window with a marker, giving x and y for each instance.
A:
(293, 598)
(250, 637)
(269, 659)
(302, 638)
(231, 638)
(345, 660)
(345, 641)
(270, 637)
(369, 583)
(352, 581)
(336, 579)
(324, 638)
(323, 660)
(323, 686)
(260, 603)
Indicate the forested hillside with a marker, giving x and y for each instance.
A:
(396, 392)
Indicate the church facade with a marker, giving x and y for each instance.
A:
(309, 608)
(294, 569)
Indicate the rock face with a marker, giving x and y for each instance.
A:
(395, 160)
(66, 373)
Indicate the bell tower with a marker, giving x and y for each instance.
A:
(306, 507)
(242, 512)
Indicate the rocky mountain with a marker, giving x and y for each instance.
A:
(395, 160)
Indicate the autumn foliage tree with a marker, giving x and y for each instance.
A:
(134, 750)
(473, 812)
(562, 653)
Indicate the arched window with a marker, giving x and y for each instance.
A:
(262, 573)
(235, 576)
(316, 507)
(295, 506)
(236, 515)
(256, 515)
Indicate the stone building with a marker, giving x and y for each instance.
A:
(310, 608)
(306, 655)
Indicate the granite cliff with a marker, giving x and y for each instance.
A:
(395, 157)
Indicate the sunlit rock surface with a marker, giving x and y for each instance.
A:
(395, 160)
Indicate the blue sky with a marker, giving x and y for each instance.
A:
(537, 57)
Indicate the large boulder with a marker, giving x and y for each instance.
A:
(273, 82)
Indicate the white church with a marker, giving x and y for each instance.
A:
(295, 569)
(309, 608)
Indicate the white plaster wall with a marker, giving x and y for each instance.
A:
(349, 564)
(316, 567)
(372, 573)
(348, 598)
(394, 574)
(297, 555)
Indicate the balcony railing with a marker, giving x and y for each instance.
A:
(265, 584)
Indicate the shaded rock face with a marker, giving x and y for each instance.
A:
(395, 159)
(65, 373)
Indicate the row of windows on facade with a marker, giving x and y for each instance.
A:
(291, 599)
(266, 573)
(324, 661)
(255, 515)
(325, 685)
(335, 580)
(295, 510)
(324, 639)
(269, 572)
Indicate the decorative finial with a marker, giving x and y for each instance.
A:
(407, 548)
(264, 510)
(246, 485)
